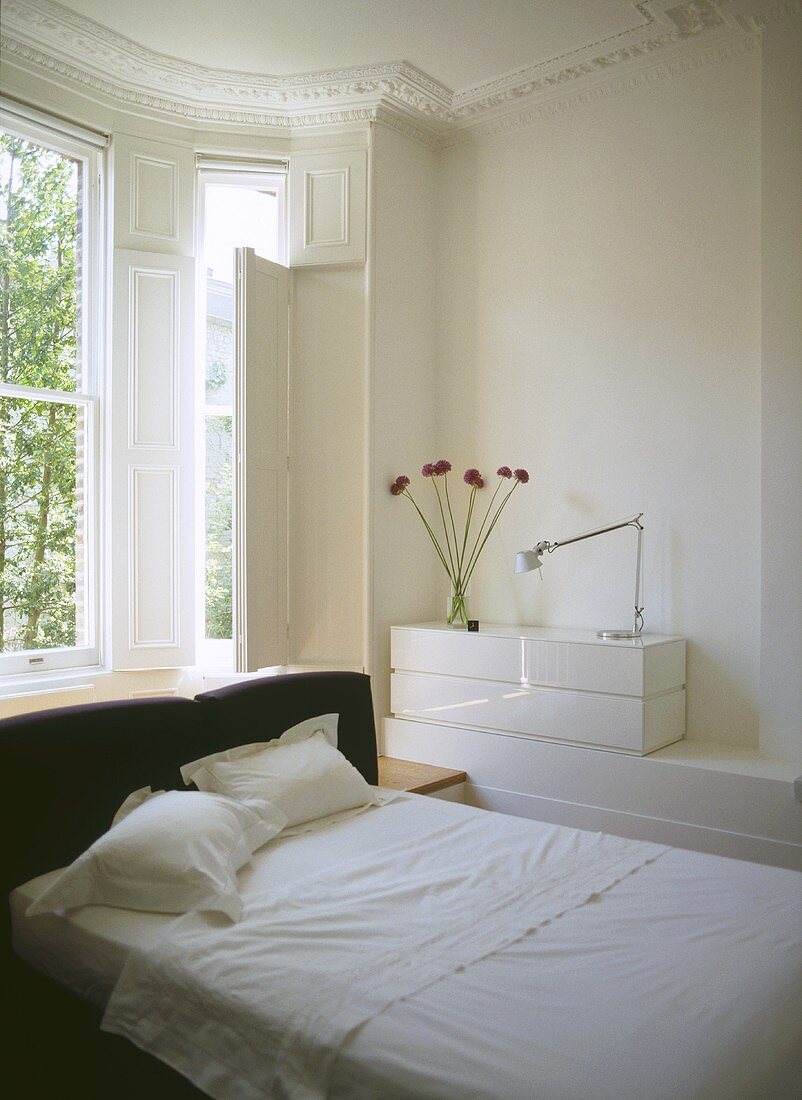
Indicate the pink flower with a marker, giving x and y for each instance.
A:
(399, 485)
(522, 476)
(504, 471)
(442, 467)
(428, 470)
(474, 478)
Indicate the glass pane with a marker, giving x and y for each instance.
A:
(238, 217)
(39, 265)
(219, 518)
(219, 343)
(43, 590)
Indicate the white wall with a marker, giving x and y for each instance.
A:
(781, 626)
(405, 581)
(599, 293)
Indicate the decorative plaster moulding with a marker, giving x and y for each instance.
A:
(547, 106)
(664, 36)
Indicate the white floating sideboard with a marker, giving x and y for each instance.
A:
(557, 685)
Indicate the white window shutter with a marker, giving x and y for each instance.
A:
(152, 402)
(328, 207)
(260, 443)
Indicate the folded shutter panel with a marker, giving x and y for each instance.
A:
(152, 388)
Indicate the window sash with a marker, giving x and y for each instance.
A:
(91, 215)
(62, 138)
(42, 659)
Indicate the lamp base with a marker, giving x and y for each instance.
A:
(618, 634)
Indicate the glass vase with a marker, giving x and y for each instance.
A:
(457, 609)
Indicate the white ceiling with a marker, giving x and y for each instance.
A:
(458, 42)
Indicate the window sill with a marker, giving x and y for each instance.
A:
(30, 683)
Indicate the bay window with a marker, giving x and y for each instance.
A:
(108, 492)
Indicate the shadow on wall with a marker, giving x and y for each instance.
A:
(722, 693)
(327, 380)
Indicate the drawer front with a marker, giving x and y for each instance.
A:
(457, 653)
(605, 720)
(611, 669)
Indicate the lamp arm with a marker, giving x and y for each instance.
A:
(633, 521)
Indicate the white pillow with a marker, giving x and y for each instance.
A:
(167, 852)
(301, 773)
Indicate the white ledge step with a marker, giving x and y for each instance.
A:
(727, 758)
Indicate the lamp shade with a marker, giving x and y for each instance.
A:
(527, 560)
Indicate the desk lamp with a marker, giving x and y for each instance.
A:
(527, 560)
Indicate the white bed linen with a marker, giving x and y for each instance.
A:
(86, 949)
(338, 948)
(680, 981)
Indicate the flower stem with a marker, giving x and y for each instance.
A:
(477, 552)
(453, 526)
(430, 533)
(457, 608)
(445, 527)
(468, 520)
(484, 521)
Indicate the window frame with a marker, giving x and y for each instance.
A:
(214, 652)
(87, 395)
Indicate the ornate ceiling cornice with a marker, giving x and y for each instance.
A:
(547, 107)
(44, 36)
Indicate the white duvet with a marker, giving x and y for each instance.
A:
(681, 981)
(262, 1008)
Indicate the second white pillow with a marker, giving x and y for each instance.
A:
(301, 773)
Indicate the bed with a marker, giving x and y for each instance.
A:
(418, 949)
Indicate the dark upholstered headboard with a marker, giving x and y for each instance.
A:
(67, 771)
(71, 769)
(64, 775)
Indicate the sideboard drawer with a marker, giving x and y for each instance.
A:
(615, 669)
(619, 722)
(458, 653)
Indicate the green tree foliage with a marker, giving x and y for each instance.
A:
(40, 440)
(219, 622)
(219, 453)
